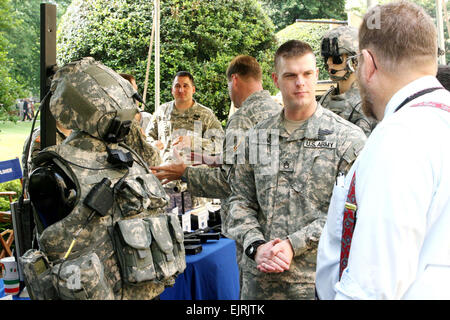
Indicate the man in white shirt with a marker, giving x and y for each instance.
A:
(387, 232)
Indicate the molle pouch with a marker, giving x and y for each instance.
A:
(37, 275)
(82, 278)
(133, 240)
(156, 194)
(141, 193)
(178, 238)
(132, 198)
(162, 247)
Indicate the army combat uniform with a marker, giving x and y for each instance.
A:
(167, 119)
(348, 106)
(214, 182)
(285, 193)
(206, 133)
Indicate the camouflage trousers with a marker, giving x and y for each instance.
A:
(253, 288)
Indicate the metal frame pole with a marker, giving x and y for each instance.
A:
(48, 64)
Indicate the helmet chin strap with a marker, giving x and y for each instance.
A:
(340, 78)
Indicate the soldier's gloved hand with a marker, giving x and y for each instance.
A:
(268, 261)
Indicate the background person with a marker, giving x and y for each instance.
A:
(337, 46)
(186, 125)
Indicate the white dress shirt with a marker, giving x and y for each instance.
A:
(401, 242)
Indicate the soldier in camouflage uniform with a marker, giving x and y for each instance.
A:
(280, 196)
(183, 123)
(103, 230)
(337, 46)
(182, 117)
(253, 105)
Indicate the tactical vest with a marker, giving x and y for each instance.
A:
(117, 242)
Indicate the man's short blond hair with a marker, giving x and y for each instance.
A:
(401, 33)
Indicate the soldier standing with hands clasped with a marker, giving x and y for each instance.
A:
(280, 196)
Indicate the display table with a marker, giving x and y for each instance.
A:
(210, 275)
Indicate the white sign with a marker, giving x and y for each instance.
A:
(203, 219)
(186, 222)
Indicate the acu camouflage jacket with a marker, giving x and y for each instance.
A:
(284, 188)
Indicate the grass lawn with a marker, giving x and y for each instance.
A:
(12, 138)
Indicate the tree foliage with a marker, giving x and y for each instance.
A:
(10, 89)
(198, 36)
(25, 41)
(20, 51)
(284, 13)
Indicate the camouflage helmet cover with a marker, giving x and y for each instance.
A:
(88, 96)
(340, 40)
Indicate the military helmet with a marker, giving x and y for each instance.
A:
(338, 41)
(87, 95)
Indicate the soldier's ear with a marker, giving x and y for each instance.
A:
(275, 79)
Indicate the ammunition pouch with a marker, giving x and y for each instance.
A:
(133, 239)
(37, 275)
(140, 193)
(149, 248)
(82, 278)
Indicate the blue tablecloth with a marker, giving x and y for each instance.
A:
(210, 275)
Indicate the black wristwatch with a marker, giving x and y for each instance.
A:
(251, 249)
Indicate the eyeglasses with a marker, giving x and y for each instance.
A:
(353, 61)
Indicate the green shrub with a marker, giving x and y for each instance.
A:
(4, 201)
(9, 186)
(198, 36)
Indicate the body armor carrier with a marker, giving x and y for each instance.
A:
(102, 229)
(115, 243)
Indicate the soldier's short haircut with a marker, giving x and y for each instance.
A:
(292, 48)
(400, 33)
(185, 74)
(245, 66)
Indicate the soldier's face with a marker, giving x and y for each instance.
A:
(296, 77)
(182, 90)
